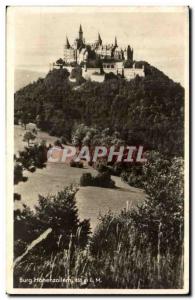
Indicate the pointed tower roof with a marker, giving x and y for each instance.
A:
(115, 42)
(80, 29)
(67, 43)
(99, 39)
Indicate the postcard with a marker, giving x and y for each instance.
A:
(97, 150)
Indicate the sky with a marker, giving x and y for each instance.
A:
(37, 34)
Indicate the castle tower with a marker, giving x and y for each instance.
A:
(115, 42)
(80, 33)
(67, 44)
(129, 53)
(68, 52)
(99, 39)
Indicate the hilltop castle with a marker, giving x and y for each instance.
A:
(96, 59)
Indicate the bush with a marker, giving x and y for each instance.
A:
(134, 176)
(76, 164)
(63, 140)
(101, 180)
(132, 179)
(162, 180)
(118, 246)
(86, 179)
(35, 156)
(18, 173)
(58, 212)
(165, 202)
(117, 168)
(101, 167)
(58, 143)
(17, 197)
(29, 136)
(32, 169)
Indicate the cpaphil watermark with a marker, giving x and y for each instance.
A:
(127, 154)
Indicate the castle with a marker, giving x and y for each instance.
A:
(97, 59)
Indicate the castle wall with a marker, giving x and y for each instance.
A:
(109, 70)
(87, 73)
(56, 67)
(93, 74)
(97, 78)
(131, 73)
(69, 68)
(69, 55)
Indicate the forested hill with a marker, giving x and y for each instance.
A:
(146, 111)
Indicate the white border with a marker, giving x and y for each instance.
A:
(10, 141)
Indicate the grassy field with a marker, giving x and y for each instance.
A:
(124, 250)
(91, 201)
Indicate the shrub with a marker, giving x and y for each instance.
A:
(76, 164)
(100, 180)
(58, 212)
(58, 143)
(165, 202)
(117, 168)
(132, 179)
(18, 173)
(17, 197)
(35, 156)
(134, 176)
(63, 140)
(118, 246)
(32, 169)
(29, 136)
(101, 167)
(162, 211)
(86, 179)
(103, 180)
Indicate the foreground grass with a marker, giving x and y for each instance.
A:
(115, 257)
(127, 269)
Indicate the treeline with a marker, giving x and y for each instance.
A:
(147, 111)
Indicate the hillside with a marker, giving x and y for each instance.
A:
(90, 200)
(147, 111)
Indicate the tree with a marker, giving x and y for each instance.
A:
(29, 136)
(18, 177)
(18, 173)
(33, 157)
(60, 62)
(58, 212)
(162, 213)
(25, 119)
